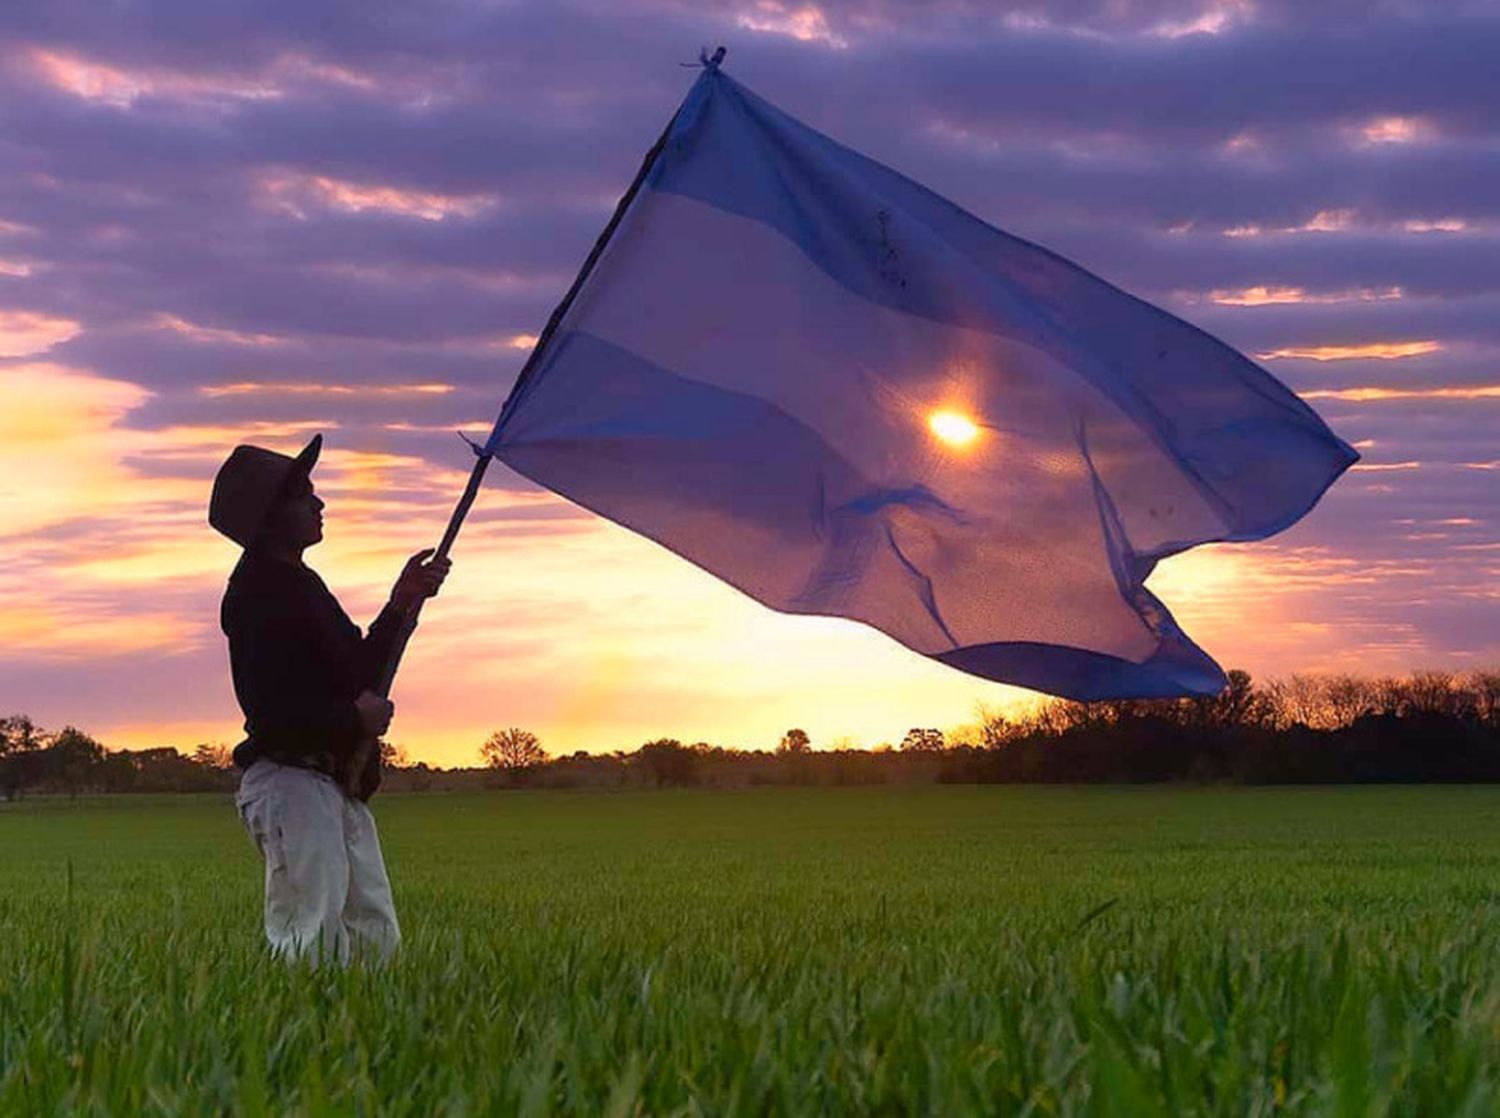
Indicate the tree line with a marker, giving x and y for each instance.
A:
(70, 761)
(1428, 726)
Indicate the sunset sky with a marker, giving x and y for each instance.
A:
(226, 223)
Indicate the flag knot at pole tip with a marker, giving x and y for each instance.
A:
(479, 451)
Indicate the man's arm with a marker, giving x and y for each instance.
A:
(419, 580)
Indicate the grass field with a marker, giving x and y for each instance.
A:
(861, 951)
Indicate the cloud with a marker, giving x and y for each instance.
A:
(1262, 295)
(804, 22)
(56, 426)
(1395, 130)
(301, 388)
(23, 333)
(98, 82)
(297, 193)
(1365, 395)
(1384, 351)
(212, 335)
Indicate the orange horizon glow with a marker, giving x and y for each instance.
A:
(553, 619)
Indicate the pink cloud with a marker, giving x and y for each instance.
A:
(297, 193)
(23, 333)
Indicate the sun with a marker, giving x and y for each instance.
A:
(953, 428)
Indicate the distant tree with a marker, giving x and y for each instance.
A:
(419, 776)
(514, 751)
(996, 729)
(1239, 705)
(158, 769)
(1346, 699)
(794, 741)
(213, 756)
(1333, 702)
(1434, 693)
(971, 735)
(19, 734)
(1297, 701)
(71, 759)
(1055, 717)
(393, 756)
(21, 744)
(1485, 687)
(667, 763)
(118, 773)
(922, 741)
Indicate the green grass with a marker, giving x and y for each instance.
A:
(862, 951)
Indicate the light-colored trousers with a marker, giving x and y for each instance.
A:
(327, 893)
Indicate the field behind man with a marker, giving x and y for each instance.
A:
(944, 950)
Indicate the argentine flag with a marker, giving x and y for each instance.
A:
(844, 395)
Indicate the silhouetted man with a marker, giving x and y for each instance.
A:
(302, 674)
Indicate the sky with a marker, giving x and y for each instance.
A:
(225, 223)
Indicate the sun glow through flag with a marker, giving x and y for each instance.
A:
(953, 427)
(737, 377)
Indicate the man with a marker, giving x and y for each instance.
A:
(302, 674)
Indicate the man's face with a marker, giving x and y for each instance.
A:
(298, 519)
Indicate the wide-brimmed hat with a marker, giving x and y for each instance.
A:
(250, 482)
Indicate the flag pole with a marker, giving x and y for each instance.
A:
(365, 770)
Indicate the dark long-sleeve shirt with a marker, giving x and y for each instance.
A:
(298, 663)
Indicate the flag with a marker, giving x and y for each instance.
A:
(844, 395)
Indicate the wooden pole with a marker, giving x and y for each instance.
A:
(364, 773)
(387, 676)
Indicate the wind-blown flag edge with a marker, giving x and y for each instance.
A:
(1176, 667)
